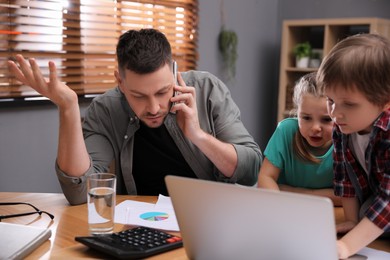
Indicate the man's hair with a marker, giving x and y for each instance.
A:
(306, 85)
(143, 51)
(359, 62)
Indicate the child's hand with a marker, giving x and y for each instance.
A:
(342, 250)
(345, 227)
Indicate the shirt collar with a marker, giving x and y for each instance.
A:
(383, 121)
(127, 107)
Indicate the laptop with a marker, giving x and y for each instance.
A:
(18, 241)
(228, 221)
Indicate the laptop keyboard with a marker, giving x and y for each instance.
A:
(135, 243)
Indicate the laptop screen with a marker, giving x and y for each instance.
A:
(227, 221)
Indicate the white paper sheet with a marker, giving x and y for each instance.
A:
(160, 215)
(371, 254)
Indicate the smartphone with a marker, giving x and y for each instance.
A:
(174, 69)
(174, 64)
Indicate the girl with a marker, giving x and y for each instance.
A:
(298, 157)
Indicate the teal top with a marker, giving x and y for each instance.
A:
(294, 171)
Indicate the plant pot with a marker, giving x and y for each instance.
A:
(314, 63)
(302, 62)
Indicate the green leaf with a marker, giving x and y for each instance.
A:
(228, 42)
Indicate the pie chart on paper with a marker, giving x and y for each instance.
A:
(154, 216)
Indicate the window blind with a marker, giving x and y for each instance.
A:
(80, 36)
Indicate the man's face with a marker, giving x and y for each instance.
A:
(148, 94)
(351, 110)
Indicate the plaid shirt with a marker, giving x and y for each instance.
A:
(377, 182)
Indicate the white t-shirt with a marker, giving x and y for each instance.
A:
(358, 145)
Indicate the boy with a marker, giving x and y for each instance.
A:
(355, 78)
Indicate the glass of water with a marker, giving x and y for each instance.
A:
(101, 202)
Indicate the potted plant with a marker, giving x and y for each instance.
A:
(228, 41)
(227, 45)
(302, 52)
(315, 58)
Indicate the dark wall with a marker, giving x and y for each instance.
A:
(28, 146)
(254, 88)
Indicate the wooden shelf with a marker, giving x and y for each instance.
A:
(322, 34)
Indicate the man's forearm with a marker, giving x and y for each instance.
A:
(72, 155)
(223, 155)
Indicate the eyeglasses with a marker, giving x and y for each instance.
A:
(37, 211)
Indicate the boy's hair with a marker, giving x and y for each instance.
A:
(306, 85)
(360, 62)
(143, 51)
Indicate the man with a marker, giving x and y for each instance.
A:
(136, 126)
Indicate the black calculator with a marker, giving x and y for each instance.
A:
(134, 243)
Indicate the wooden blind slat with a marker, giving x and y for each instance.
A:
(81, 37)
(48, 5)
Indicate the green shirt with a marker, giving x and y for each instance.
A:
(294, 171)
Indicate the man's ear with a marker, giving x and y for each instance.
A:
(118, 79)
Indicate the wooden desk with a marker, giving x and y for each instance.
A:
(71, 221)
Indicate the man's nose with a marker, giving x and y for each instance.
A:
(153, 106)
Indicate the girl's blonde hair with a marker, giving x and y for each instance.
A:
(306, 85)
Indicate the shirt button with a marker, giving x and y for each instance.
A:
(131, 119)
(126, 137)
(76, 180)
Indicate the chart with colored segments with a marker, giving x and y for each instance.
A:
(154, 216)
